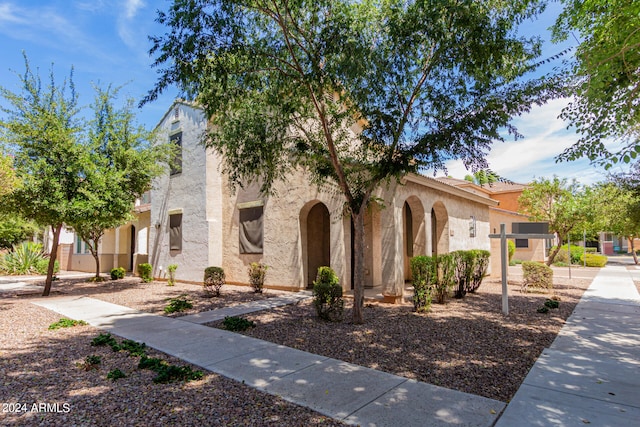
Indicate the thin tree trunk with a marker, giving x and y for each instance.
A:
(358, 265)
(633, 250)
(52, 259)
(97, 258)
(553, 254)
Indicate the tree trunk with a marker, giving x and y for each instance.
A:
(553, 254)
(52, 259)
(358, 264)
(633, 250)
(97, 258)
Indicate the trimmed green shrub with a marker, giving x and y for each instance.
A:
(178, 304)
(463, 261)
(133, 347)
(423, 272)
(104, 339)
(171, 269)
(594, 260)
(234, 323)
(511, 249)
(480, 265)
(536, 275)
(145, 272)
(213, 280)
(327, 295)
(42, 266)
(543, 309)
(563, 254)
(117, 273)
(257, 272)
(446, 276)
(67, 323)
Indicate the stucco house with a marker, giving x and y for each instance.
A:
(198, 221)
(125, 246)
(506, 212)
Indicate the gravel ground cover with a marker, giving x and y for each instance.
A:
(41, 366)
(466, 345)
(153, 297)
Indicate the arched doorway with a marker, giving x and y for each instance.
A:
(413, 223)
(318, 240)
(439, 229)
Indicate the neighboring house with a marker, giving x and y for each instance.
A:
(610, 244)
(506, 212)
(198, 221)
(126, 246)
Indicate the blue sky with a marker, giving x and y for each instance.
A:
(106, 41)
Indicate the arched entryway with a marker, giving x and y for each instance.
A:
(413, 223)
(439, 229)
(316, 240)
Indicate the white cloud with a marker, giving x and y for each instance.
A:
(9, 13)
(545, 137)
(127, 25)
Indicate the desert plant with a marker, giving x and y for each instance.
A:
(67, 323)
(213, 280)
(133, 347)
(90, 362)
(104, 339)
(480, 265)
(257, 271)
(116, 374)
(551, 303)
(327, 295)
(117, 273)
(178, 304)
(445, 276)
(43, 265)
(234, 323)
(594, 260)
(423, 274)
(145, 272)
(171, 269)
(536, 275)
(23, 259)
(168, 373)
(543, 309)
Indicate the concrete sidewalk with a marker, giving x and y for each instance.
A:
(591, 372)
(347, 392)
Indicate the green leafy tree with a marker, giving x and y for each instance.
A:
(619, 211)
(557, 201)
(121, 167)
(14, 230)
(8, 178)
(482, 177)
(357, 92)
(42, 127)
(605, 77)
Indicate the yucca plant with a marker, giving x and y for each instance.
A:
(23, 259)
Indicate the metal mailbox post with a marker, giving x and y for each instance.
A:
(504, 257)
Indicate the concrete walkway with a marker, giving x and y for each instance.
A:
(591, 372)
(347, 392)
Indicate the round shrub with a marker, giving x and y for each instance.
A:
(257, 272)
(594, 260)
(117, 273)
(327, 295)
(536, 275)
(144, 270)
(213, 280)
(423, 272)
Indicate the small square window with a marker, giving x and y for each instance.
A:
(522, 243)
